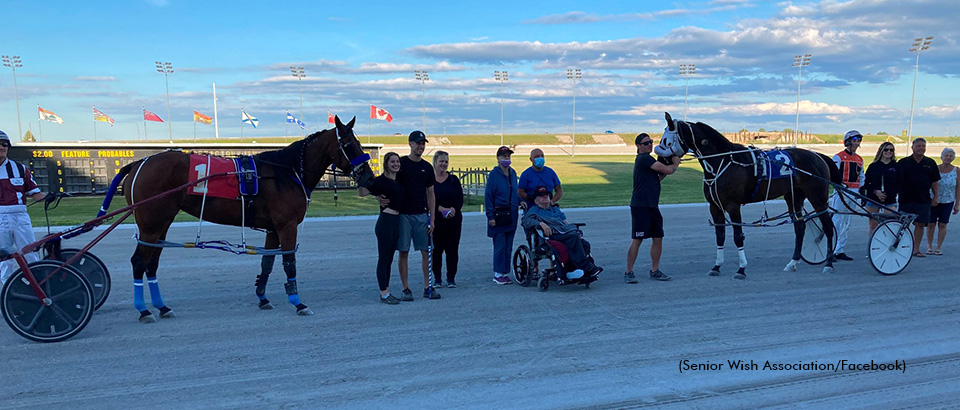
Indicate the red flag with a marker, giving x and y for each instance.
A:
(330, 118)
(149, 116)
(380, 114)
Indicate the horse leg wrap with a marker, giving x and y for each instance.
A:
(155, 298)
(266, 268)
(739, 237)
(743, 258)
(719, 257)
(291, 288)
(138, 296)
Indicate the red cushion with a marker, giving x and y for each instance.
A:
(561, 251)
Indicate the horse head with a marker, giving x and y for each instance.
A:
(350, 156)
(671, 143)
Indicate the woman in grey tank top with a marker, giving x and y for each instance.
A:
(946, 201)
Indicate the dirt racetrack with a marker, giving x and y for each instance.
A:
(486, 346)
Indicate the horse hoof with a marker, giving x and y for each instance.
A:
(790, 268)
(305, 312)
(168, 315)
(713, 272)
(148, 318)
(266, 306)
(739, 276)
(828, 269)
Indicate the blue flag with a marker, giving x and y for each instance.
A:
(248, 119)
(292, 119)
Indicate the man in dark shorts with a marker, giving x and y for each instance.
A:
(644, 207)
(417, 178)
(920, 175)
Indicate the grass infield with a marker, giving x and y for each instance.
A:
(587, 181)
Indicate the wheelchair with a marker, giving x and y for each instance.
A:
(544, 261)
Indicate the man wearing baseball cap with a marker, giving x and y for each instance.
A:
(555, 226)
(16, 230)
(417, 178)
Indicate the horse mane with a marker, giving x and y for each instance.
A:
(722, 143)
(290, 155)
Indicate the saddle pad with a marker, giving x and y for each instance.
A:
(776, 164)
(224, 186)
(247, 175)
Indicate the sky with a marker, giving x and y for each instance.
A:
(77, 55)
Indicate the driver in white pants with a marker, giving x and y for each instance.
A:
(851, 174)
(16, 231)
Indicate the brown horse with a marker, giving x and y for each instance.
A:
(730, 180)
(287, 177)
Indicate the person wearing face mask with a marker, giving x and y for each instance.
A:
(539, 175)
(16, 229)
(502, 204)
(851, 174)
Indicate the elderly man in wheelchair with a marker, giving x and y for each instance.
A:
(550, 224)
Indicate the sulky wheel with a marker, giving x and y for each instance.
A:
(522, 265)
(814, 249)
(891, 247)
(69, 306)
(543, 284)
(92, 268)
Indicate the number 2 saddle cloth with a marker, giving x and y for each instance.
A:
(234, 177)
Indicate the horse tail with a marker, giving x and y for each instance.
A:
(113, 188)
(834, 171)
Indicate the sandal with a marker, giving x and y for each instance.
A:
(938, 252)
(930, 252)
(919, 254)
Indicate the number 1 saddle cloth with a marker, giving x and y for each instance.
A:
(234, 177)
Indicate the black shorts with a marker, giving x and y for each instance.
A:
(941, 213)
(920, 209)
(647, 222)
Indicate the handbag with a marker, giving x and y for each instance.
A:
(501, 213)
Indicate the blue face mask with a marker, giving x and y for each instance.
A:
(538, 162)
(505, 162)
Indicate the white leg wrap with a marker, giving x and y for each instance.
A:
(791, 266)
(719, 256)
(743, 257)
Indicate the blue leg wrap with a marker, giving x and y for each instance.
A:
(262, 297)
(292, 294)
(155, 298)
(138, 295)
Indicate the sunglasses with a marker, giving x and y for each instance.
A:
(888, 150)
(4, 144)
(647, 143)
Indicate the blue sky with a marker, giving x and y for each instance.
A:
(77, 55)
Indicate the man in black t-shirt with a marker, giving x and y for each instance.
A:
(920, 176)
(644, 207)
(417, 178)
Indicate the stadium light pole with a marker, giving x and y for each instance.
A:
(423, 77)
(166, 69)
(299, 73)
(14, 63)
(574, 74)
(686, 70)
(919, 44)
(799, 61)
(501, 76)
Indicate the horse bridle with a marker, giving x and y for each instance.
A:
(355, 163)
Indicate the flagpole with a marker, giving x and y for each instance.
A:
(216, 124)
(138, 132)
(94, 124)
(286, 126)
(144, 123)
(39, 127)
(241, 124)
(369, 124)
(194, 124)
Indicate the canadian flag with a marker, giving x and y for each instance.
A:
(380, 114)
(330, 118)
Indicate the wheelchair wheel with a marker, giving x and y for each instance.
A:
(92, 268)
(70, 306)
(522, 265)
(543, 284)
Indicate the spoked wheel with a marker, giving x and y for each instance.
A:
(69, 308)
(814, 249)
(891, 247)
(522, 265)
(92, 268)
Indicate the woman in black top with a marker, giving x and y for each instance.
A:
(882, 181)
(388, 224)
(449, 223)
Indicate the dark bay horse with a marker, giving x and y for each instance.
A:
(287, 177)
(730, 180)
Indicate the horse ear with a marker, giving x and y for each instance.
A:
(350, 124)
(336, 121)
(669, 121)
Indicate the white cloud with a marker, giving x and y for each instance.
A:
(96, 79)
(746, 110)
(941, 110)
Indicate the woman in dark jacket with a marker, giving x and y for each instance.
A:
(882, 182)
(449, 221)
(502, 209)
(388, 223)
